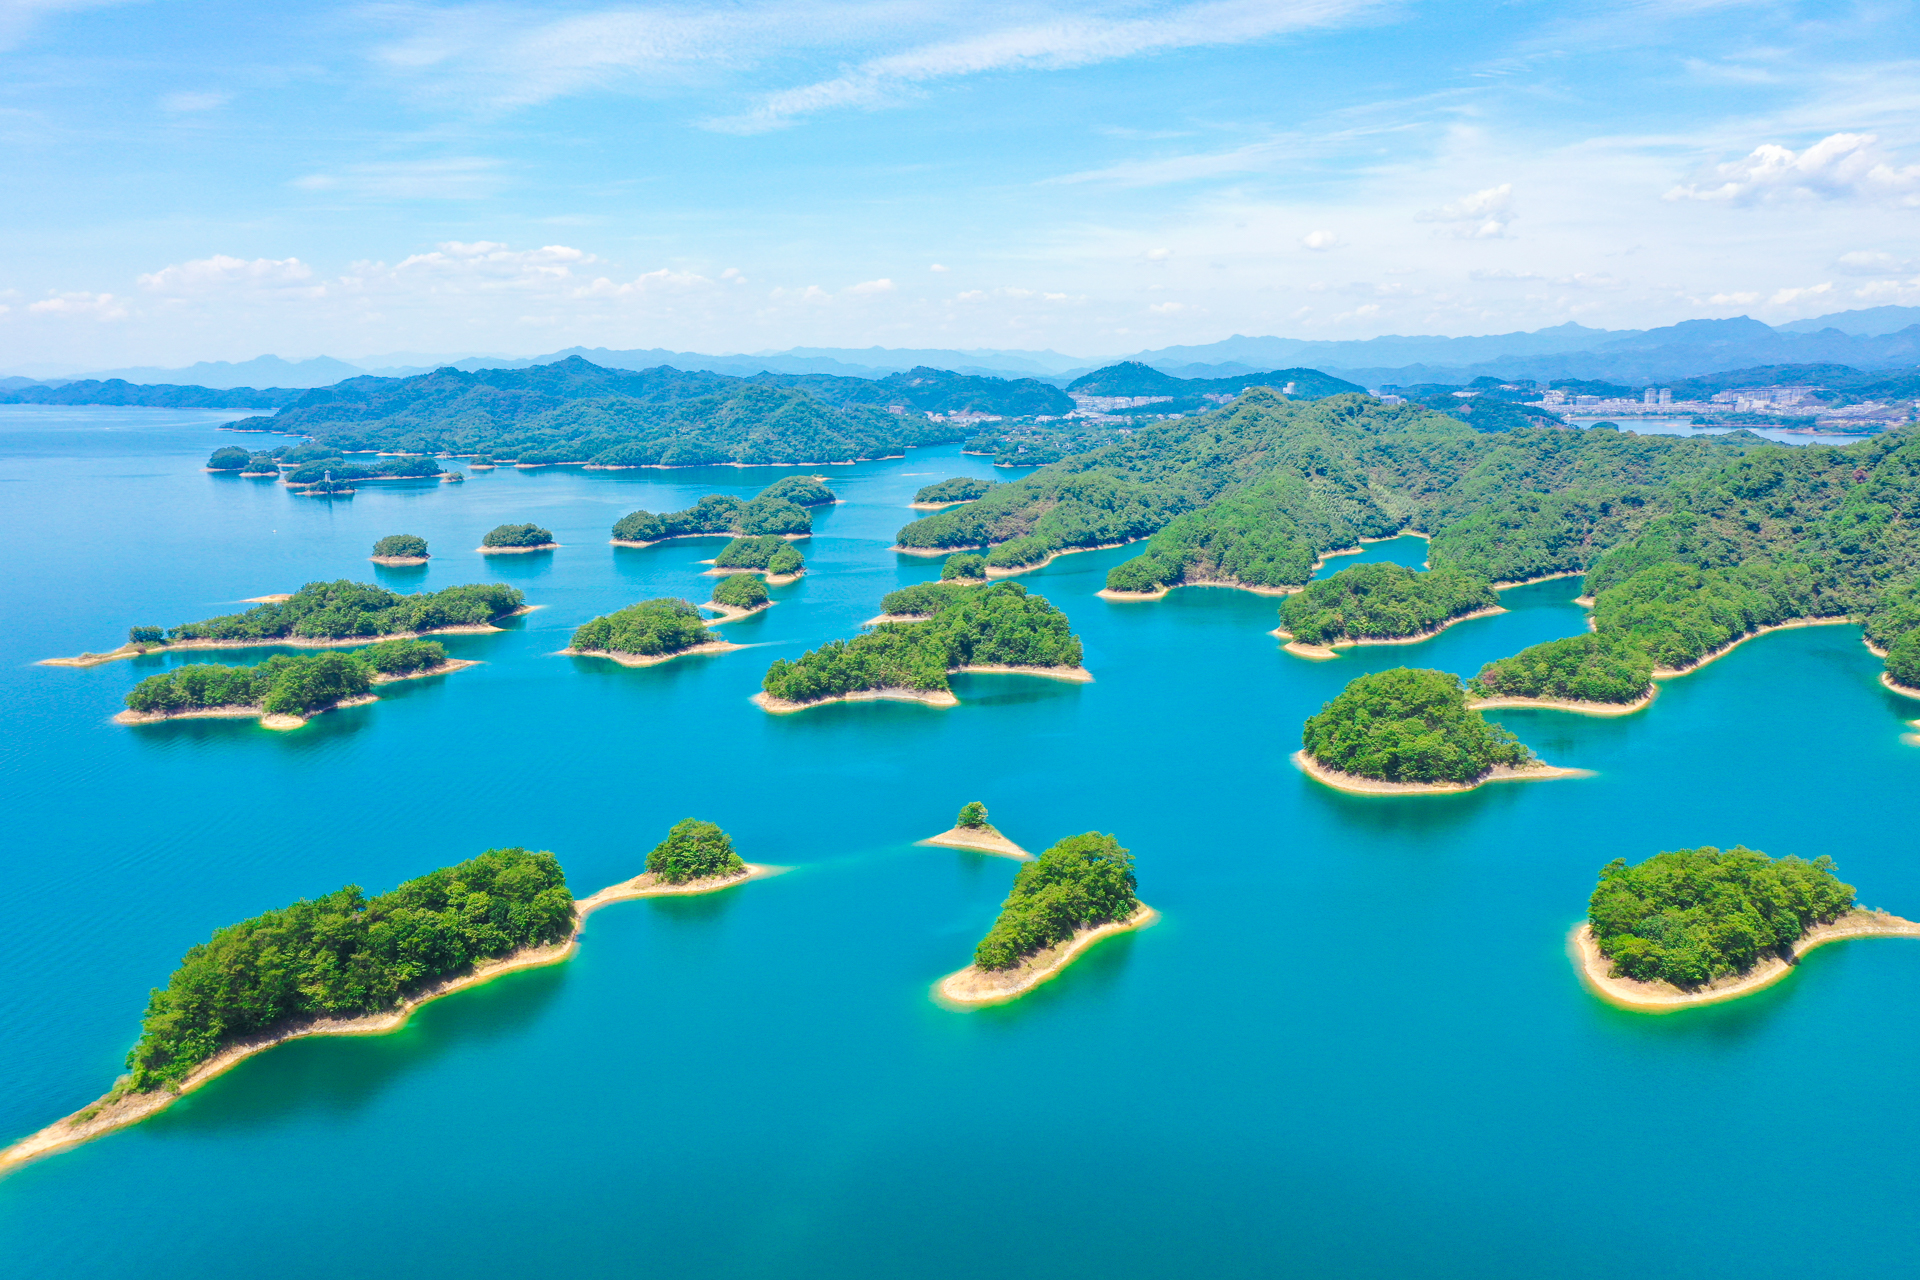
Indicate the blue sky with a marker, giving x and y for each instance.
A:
(213, 180)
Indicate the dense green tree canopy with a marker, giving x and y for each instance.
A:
(517, 535)
(401, 544)
(1693, 915)
(963, 567)
(802, 491)
(228, 458)
(972, 814)
(958, 489)
(650, 628)
(741, 591)
(284, 684)
(768, 552)
(343, 610)
(1382, 601)
(1408, 725)
(694, 850)
(1081, 882)
(1582, 668)
(345, 954)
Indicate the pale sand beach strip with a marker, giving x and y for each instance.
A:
(1791, 624)
(930, 698)
(981, 839)
(283, 642)
(973, 986)
(1661, 997)
(514, 551)
(397, 562)
(110, 1113)
(651, 659)
(1322, 652)
(1375, 787)
(730, 614)
(1568, 704)
(1896, 687)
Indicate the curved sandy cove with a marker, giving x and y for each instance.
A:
(981, 839)
(1320, 653)
(1661, 997)
(1358, 785)
(974, 986)
(109, 1112)
(1569, 704)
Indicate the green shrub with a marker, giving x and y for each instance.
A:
(1903, 660)
(639, 526)
(972, 814)
(694, 850)
(958, 489)
(1582, 668)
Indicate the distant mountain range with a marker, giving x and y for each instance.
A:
(1870, 338)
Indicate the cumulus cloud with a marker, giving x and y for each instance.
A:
(651, 282)
(80, 306)
(1484, 215)
(872, 286)
(1841, 166)
(221, 273)
(1782, 297)
(485, 261)
(1321, 241)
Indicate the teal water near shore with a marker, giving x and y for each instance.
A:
(1353, 1047)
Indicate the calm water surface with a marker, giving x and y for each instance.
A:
(1355, 1046)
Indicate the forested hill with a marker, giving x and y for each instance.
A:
(1131, 378)
(117, 391)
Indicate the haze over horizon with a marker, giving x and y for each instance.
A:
(345, 180)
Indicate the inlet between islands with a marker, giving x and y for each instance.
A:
(118, 1111)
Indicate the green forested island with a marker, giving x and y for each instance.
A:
(345, 955)
(997, 625)
(694, 850)
(401, 547)
(1687, 543)
(741, 591)
(651, 629)
(1410, 727)
(964, 567)
(1382, 601)
(343, 610)
(958, 489)
(769, 553)
(517, 537)
(781, 508)
(1694, 915)
(1081, 882)
(283, 685)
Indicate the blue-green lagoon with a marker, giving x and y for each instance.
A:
(1353, 1047)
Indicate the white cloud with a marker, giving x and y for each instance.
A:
(1591, 280)
(1485, 215)
(1158, 255)
(937, 267)
(94, 306)
(207, 275)
(1501, 273)
(649, 283)
(182, 103)
(1841, 166)
(1168, 308)
(1321, 241)
(1733, 299)
(1873, 262)
(1782, 297)
(872, 286)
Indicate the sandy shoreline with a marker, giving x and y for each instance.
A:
(729, 613)
(1107, 593)
(1568, 704)
(651, 659)
(1545, 577)
(1375, 787)
(110, 1113)
(981, 839)
(1896, 687)
(939, 506)
(1661, 997)
(1321, 652)
(771, 579)
(1669, 673)
(1072, 675)
(400, 562)
(973, 986)
(879, 618)
(514, 551)
(926, 697)
(285, 642)
(995, 571)
(279, 598)
(241, 712)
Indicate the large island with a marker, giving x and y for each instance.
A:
(998, 628)
(1698, 926)
(1406, 732)
(285, 690)
(1079, 891)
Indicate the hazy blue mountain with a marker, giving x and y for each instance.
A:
(1865, 322)
(261, 371)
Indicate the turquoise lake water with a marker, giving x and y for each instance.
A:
(1354, 1046)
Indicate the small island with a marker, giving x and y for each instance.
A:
(738, 596)
(1600, 675)
(1381, 604)
(1698, 926)
(768, 554)
(329, 615)
(285, 690)
(998, 628)
(950, 493)
(645, 634)
(1076, 893)
(967, 566)
(780, 510)
(1407, 731)
(230, 458)
(696, 857)
(400, 550)
(511, 539)
(347, 964)
(971, 830)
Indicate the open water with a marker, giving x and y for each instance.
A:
(1355, 1046)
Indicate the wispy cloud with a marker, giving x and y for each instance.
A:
(453, 178)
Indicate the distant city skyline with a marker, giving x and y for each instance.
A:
(214, 182)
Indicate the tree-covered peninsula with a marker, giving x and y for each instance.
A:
(229, 458)
(294, 686)
(1412, 728)
(964, 567)
(400, 549)
(994, 627)
(769, 553)
(1383, 602)
(651, 630)
(1082, 882)
(517, 537)
(345, 955)
(1695, 915)
(780, 509)
(694, 850)
(343, 610)
(948, 492)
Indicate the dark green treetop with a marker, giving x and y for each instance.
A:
(228, 458)
(1408, 725)
(972, 814)
(517, 535)
(741, 591)
(694, 850)
(651, 627)
(967, 566)
(958, 489)
(401, 544)
(1082, 881)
